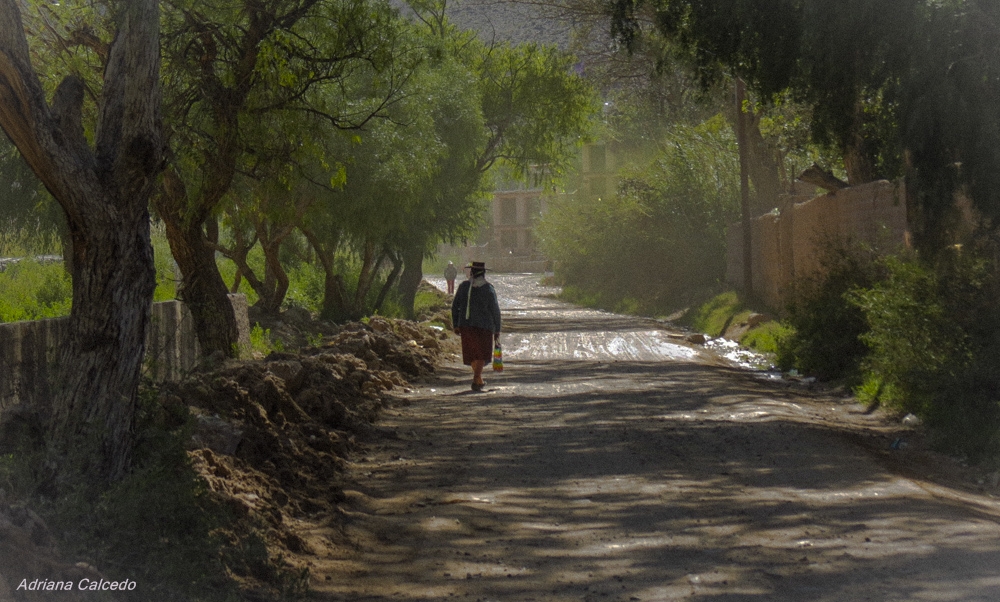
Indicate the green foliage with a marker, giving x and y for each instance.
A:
(766, 338)
(166, 277)
(924, 88)
(33, 291)
(261, 341)
(826, 325)
(932, 335)
(305, 286)
(713, 316)
(660, 240)
(914, 337)
(537, 110)
(578, 296)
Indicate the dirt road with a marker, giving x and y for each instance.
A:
(610, 462)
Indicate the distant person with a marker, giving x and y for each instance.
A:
(475, 313)
(450, 273)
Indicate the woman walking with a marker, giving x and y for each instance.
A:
(450, 273)
(475, 313)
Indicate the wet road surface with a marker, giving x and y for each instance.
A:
(610, 462)
(538, 327)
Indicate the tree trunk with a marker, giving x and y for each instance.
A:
(99, 365)
(370, 266)
(859, 162)
(334, 295)
(746, 217)
(104, 192)
(763, 166)
(409, 281)
(397, 267)
(275, 277)
(202, 288)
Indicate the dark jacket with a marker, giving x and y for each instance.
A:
(484, 310)
(450, 271)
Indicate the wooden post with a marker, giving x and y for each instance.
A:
(741, 141)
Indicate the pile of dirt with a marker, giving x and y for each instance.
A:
(297, 327)
(270, 436)
(438, 311)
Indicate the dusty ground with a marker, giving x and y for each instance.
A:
(610, 462)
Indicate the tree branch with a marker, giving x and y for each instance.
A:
(23, 112)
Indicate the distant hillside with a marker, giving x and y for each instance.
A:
(515, 22)
(504, 20)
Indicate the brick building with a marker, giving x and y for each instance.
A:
(508, 242)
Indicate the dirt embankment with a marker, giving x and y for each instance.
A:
(269, 437)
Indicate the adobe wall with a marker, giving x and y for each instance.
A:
(28, 350)
(787, 245)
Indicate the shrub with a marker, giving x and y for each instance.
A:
(934, 339)
(766, 338)
(262, 343)
(826, 325)
(658, 241)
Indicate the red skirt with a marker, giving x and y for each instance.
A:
(477, 344)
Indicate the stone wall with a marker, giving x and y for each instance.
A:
(788, 244)
(28, 350)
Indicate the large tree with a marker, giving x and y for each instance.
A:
(231, 66)
(899, 86)
(103, 185)
(391, 167)
(840, 58)
(536, 111)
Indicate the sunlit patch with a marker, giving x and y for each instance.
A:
(745, 416)
(435, 523)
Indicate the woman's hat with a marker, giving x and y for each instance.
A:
(477, 265)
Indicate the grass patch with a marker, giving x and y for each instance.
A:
(34, 291)
(166, 273)
(766, 338)
(716, 314)
(577, 296)
(427, 302)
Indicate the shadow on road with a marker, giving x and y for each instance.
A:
(601, 478)
(657, 481)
